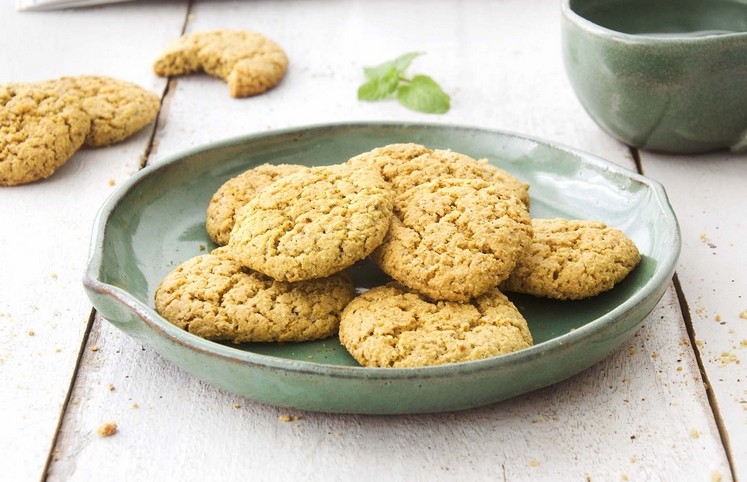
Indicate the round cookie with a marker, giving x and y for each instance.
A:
(117, 108)
(40, 129)
(214, 297)
(571, 260)
(313, 223)
(238, 191)
(405, 166)
(390, 326)
(452, 239)
(250, 62)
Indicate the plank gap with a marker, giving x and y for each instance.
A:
(636, 155)
(684, 308)
(69, 394)
(164, 96)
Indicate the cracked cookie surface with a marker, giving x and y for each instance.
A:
(40, 129)
(250, 62)
(238, 191)
(117, 108)
(313, 223)
(452, 239)
(390, 326)
(214, 297)
(405, 166)
(571, 260)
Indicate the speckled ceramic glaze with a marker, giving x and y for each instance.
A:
(156, 220)
(662, 75)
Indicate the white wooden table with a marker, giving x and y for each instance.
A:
(669, 405)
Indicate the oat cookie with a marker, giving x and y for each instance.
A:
(391, 326)
(39, 130)
(570, 260)
(238, 191)
(214, 297)
(313, 223)
(452, 239)
(250, 62)
(117, 108)
(409, 165)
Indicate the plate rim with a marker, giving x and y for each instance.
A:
(662, 273)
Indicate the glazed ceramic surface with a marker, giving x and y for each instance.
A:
(156, 220)
(663, 75)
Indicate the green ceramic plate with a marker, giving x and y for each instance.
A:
(155, 221)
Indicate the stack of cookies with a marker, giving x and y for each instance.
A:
(43, 124)
(449, 230)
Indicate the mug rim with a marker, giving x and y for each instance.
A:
(597, 29)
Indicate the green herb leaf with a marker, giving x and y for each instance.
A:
(380, 87)
(423, 94)
(399, 64)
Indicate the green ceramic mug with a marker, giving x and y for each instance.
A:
(662, 75)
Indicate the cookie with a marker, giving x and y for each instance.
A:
(250, 62)
(390, 326)
(571, 260)
(235, 193)
(214, 297)
(117, 108)
(405, 166)
(313, 223)
(453, 239)
(40, 129)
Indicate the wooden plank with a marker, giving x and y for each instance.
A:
(708, 193)
(640, 414)
(46, 226)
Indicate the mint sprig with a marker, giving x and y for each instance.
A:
(420, 93)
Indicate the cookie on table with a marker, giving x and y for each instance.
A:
(571, 260)
(250, 62)
(453, 239)
(238, 191)
(40, 129)
(405, 166)
(313, 223)
(117, 108)
(391, 326)
(214, 297)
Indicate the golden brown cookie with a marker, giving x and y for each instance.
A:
(313, 223)
(39, 130)
(117, 108)
(214, 297)
(238, 191)
(405, 166)
(390, 326)
(570, 260)
(250, 62)
(452, 239)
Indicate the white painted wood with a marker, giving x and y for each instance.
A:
(640, 415)
(709, 194)
(500, 62)
(46, 226)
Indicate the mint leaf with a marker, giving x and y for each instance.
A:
(400, 64)
(423, 94)
(380, 87)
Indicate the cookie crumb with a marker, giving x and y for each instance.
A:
(53, 275)
(95, 348)
(112, 388)
(112, 182)
(743, 314)
(236, 405)
(718, 317)
(694, 434)
(203, 247)
(534, 463)
(107, 429)
(31, 333)
(743, 342)
(285, 418)
(716, 476)
(726, 357)
(58, 350)
(134, 405)
(633, 459)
